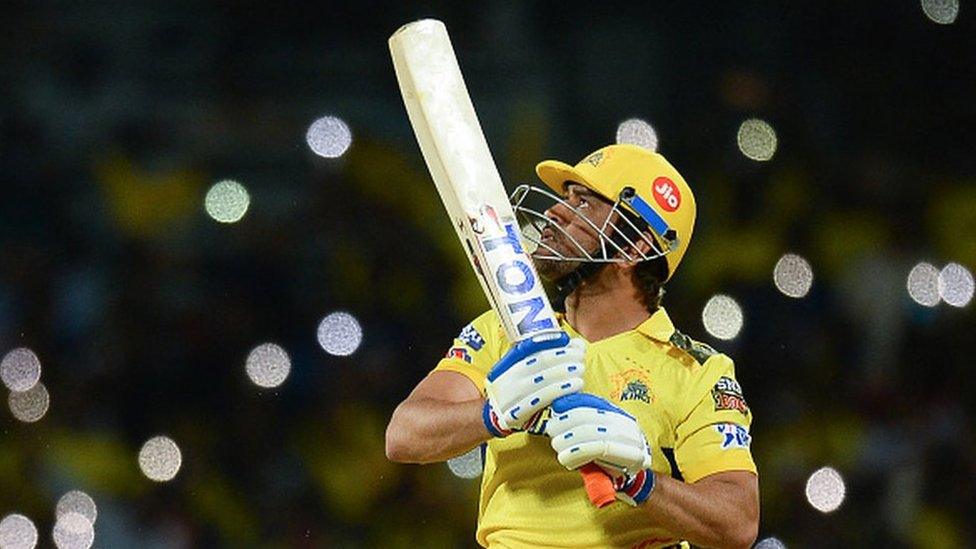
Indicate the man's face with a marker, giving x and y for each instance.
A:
(589, 204)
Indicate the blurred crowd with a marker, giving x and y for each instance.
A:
(115, 119)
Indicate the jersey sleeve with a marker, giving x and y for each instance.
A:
(714, 435)
(475, 350)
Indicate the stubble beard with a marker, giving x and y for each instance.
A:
(551, 269)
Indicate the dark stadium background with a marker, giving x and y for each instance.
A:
(116, 117)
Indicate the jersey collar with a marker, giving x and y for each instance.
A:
(658, 327)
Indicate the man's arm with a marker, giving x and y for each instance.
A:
(446, 415)
(720, 510)
(439, 420)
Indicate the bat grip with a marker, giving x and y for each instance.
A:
(598, 485)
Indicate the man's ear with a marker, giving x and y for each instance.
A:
(641, 247)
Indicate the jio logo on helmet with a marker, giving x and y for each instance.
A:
(666, 194)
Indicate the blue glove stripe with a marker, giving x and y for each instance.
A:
(585, 400)
(534, 401)
(526, 347)
(538, 379)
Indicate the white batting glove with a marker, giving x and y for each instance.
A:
(531, 375)
(585, 428)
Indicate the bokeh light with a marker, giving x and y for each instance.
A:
(770, 543)
(17, 532)
(20, 369)
(73, 531)
(468, 465)
(340, 334)
(722, 317)
(30, 405)
(79, 502)
(637, 132)
(923, 284)
(160, 459)
(757, 139)
(268, 365)
(955, 285)
(793, 275)
(329, 137)
(227, 201)
(943, 12)
(825, 489)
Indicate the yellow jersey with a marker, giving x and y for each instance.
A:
(682, 392)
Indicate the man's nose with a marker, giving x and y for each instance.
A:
(558, 213)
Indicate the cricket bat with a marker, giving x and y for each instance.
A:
(468, 182)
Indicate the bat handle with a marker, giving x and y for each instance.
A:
(598, 485)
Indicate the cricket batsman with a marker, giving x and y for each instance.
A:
(660, 413)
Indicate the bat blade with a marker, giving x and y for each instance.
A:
(460, 162)
(464, 172)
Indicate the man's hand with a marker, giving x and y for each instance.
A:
(530, 376)
(585, 428)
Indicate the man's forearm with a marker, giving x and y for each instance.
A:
(429, 430)
(708, 513)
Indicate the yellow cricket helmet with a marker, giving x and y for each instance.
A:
(641, 179)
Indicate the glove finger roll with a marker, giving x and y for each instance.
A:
(511, 388)
(618, 424)
(621, 435)
(540, 398)
(579, 455)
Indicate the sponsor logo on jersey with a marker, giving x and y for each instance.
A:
(459, 353)
(470, 337)
(733, 436)
(727, 394)
(666, 194)
(632, 384)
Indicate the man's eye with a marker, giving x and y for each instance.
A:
(583, 203)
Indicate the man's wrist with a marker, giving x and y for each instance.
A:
(492, 422)
(639, 487)
(535, 425)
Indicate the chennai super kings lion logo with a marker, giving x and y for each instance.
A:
(594, 159)
(632, 384)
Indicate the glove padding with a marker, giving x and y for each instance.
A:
(585, 428)
(531, 375)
